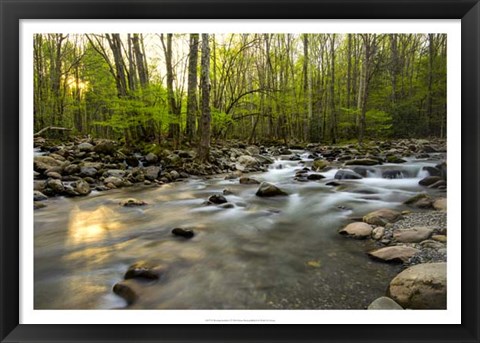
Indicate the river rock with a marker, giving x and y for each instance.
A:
(244, 180)
(357, 230)
(44, 163)
(440, 238)
(264, 159)
(244, 162)
(441, 184)
(144, 270)
(186, 233)
(39, 196)
(382, 217)
(174, 174)
(416, 198)
(268, 190)
(395, 159)
(347, 174)
(54, 175)
(116, 181)
(88, 171)
(105, 147)
(396, 253)
(151, 157)
(362, 162)
(85, 147)
(56, 186)
(82, 187)
(127, 290)
(432, 244)
(131, 202)
(71, 169)
(37, 205)
(363, 170)
(320, 164)
(152, 172)
(333, 184)
(429, 180)
(378, 232)
(443, 170)
(384, 303)
(252, 150)
(423, 286)
(116, 173)
(217, 199)
(227, 191)
(226, 205)
(432, 170)
(440, 204)
(413, 235)
(315, 177)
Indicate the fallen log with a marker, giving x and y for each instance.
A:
(48, 128)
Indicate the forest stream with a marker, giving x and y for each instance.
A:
(263, 253)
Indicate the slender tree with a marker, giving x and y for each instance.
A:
(192, 107)
(204, 143)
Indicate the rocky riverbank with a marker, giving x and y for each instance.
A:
(77, 167)
(418, 240)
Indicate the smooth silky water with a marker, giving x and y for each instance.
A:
(265, 253)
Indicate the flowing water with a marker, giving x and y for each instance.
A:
(265, 253)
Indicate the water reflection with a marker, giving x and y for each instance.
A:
(91, 226)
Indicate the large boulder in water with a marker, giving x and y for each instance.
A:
(244, 180)
(268, 190)
(357, 230)
(144, 270)
(128, 290)
(423, 286)
(382, 217)
(429, 180)
(132, 202)
(347, 174)
(217, 199)
(185, 233)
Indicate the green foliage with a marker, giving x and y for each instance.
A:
(220, 122)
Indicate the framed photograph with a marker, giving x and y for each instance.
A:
(219, 171)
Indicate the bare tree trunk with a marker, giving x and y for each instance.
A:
(173, 107)
(333, 123)
(204, 144)
(192, 106)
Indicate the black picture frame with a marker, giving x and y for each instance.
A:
(12, 11)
